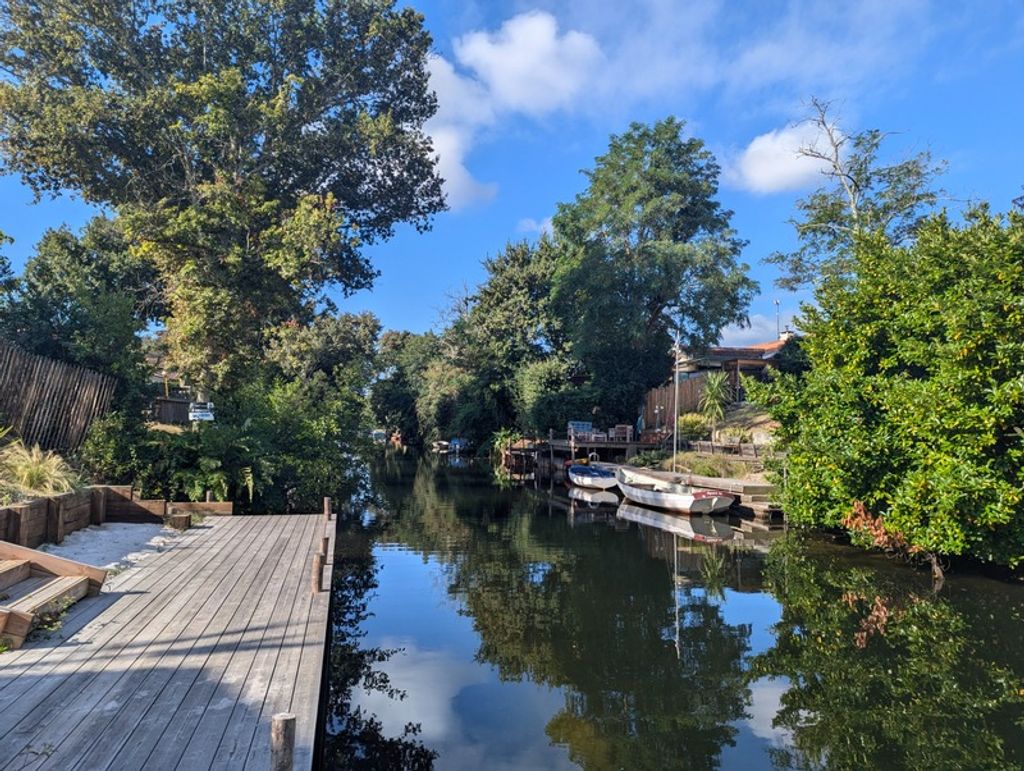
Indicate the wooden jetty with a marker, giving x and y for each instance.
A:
(182, 660)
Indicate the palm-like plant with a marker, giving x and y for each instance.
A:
(32, 471)
(716, 396)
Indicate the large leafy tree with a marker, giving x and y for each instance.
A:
(914, 402)
(253, 146)
(647, 249)
(862, 194)
(85, 299)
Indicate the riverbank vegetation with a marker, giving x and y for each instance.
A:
(580, 324)
(905, 428)
(243, 156)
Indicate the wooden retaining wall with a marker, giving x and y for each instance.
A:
(48, 520)
(48, 402)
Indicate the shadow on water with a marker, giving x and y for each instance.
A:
(660, 649)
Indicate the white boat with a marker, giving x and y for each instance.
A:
(668, 495)
(593, 497)
(592, 476)
(704, 529)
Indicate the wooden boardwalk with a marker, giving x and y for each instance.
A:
(182, 660)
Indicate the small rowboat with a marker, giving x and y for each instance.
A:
(592, 476)
(701, 529)
(674, 497)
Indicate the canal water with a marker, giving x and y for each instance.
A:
(482, 627)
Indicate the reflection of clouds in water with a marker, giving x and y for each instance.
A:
(470, 717)
(430, 679)
(765, 702)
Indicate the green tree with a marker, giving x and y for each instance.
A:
(646, 248)
(403, 359)
(85, 299)
(914, 401)
(253, 147)
(863, 195)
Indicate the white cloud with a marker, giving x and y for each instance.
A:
(608, 58)
(431, 681)
(527, 66)
(524, 68)
(765, 703)
(530, 225)
(762, 329)
(772, 162)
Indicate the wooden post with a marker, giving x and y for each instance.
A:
(317, 582)
(327, 509)
(209, 496)
(282, 742)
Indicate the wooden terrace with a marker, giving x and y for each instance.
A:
(182, 660)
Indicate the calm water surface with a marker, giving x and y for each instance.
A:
(481, 628)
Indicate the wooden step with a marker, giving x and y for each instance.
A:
(52, 597)
(12, 572)
(32, 599)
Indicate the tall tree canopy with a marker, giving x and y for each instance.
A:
(914, 401)
(863, 195)
(647, 249)
(253, 146)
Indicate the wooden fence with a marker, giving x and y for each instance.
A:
(659, 404)
(48, 402)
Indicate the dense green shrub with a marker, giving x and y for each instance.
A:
(693, 426)
(914, 403)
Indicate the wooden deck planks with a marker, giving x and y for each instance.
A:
(200, 708)
(78, 690)
(181, 660)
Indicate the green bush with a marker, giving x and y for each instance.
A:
(649, 458)
(693, 426)
(914, 403)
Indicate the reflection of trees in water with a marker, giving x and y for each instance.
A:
(584, 610)
(355, 739)
(883, 673)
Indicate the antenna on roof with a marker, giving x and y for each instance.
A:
(778, 327)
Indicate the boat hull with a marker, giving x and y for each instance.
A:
(671, 497)
(593, 481)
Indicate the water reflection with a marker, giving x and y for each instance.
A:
(530, 631)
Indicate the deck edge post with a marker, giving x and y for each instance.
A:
(282, 742)
(317, 578)
(327, 509)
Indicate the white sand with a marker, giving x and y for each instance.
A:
(115, 545)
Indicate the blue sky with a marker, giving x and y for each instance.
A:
(529, 93)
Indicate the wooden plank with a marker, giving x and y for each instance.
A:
(172, 670)
(312, 667)
(12, 572)
(253, 680)
(286, 672)
(139, 685)
(173, 720)
(48, 597)
(56, 565)
(125, 598)
(84, 694)
(36, 673)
